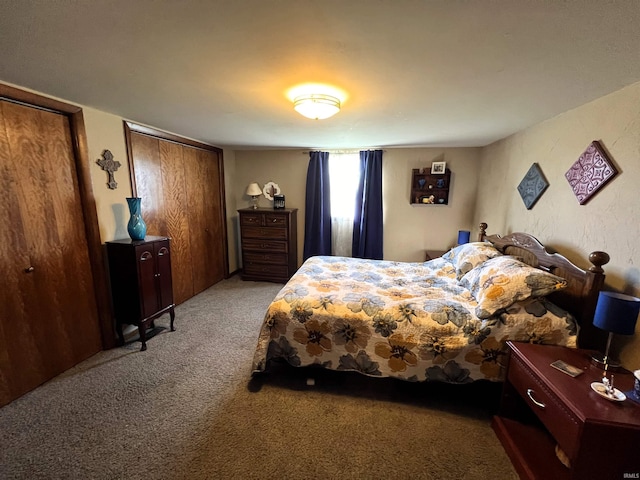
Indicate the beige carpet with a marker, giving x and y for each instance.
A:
(187, 408)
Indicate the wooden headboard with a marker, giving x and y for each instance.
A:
(580, 296)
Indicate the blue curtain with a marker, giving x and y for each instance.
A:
(367, 222)
(317, 217)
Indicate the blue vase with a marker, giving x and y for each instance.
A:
(136, 227)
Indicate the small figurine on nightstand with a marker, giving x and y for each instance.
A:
(608, 385)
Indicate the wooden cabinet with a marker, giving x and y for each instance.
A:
(543, 409)
(141, 286)
(269, 244)
(428, 188)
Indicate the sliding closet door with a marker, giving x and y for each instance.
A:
(176, 217)
(182, 190)
(49, 317)
(206, 219)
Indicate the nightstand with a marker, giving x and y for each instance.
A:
(542, 408)
(431, 254)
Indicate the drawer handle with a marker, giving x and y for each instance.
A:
(530, 395)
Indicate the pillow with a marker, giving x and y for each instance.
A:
(538, 320)
(469, 255)
(501, 281)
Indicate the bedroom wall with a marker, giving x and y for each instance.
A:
(609, 221)
(409, 230)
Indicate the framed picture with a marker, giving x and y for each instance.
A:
(438, 168)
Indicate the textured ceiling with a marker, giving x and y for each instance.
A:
(413, 72)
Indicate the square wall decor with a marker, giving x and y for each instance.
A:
(590, 172)
(532, 186)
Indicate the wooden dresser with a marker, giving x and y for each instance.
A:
(141, 286)
(269, 243)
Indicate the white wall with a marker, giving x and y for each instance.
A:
(610, 221)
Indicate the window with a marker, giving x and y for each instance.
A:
(344, 177)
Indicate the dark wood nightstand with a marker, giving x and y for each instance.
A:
(431, 254)
(542, 407)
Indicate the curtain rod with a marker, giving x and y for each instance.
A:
(305, 152)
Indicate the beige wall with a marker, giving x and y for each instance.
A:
(610, 221)
(106, 132)
(409, 230)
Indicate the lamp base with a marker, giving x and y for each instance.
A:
(606, 363)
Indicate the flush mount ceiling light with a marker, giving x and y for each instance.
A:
(316, 106)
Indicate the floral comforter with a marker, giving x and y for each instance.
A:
(411, 321)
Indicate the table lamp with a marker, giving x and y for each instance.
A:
(463, 236)
(615, 313)
(254, 191)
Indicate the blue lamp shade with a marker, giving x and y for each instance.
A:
(617, 313)
(463, 236)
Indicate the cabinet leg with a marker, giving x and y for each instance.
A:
(120, 334)
(172, 314)
(143, 337)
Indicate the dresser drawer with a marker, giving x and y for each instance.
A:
(261, 219)
(264, 232)
(275, 220)
(265, 245)
(251, 219)
(548, 408)
(266, 271)
(270, 258)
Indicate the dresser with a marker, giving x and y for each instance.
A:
(544, 409)
(269, 241)
(141, 286)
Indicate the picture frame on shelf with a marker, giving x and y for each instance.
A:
(438, 168)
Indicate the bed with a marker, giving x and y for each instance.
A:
(447, 319)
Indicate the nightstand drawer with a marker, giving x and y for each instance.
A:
(564, 427)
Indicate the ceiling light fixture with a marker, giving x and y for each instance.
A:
(316, 106)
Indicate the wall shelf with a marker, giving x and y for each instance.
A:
(428, 188)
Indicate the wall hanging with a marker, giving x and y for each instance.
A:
(590, 172)
(110, 166)
(532, 186)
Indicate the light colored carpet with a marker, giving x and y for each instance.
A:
(187, 408)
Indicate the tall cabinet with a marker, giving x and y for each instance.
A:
(269, 243)
(141, 285)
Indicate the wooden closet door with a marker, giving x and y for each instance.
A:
(213, 213)
(161, 183)
(182, 190)
(48, 319)
(176, 213)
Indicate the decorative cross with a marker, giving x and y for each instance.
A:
(109, 165)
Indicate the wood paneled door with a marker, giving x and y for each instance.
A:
(49, 318)
(181, 183)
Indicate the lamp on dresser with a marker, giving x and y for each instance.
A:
(615, 313)
(254, 191)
